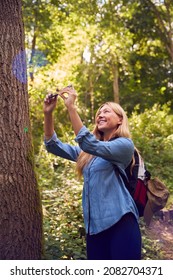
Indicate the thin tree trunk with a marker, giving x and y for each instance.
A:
(115, 83)
(165, 30)
(31, 62)
(20, 206)
(92, 99)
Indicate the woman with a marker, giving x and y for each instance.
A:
(110, 214)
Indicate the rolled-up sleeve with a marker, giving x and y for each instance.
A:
(118, 151)
(53, 138)
(64, 150)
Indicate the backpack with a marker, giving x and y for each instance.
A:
(149, 194)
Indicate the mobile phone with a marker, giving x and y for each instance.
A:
(61, 90)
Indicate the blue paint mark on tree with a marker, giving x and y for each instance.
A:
(19, 67)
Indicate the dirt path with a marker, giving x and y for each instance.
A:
(162, 233)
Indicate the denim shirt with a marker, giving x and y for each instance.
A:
(105, 198)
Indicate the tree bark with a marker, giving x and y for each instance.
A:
(20, 205)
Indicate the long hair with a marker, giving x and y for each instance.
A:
(121, 131)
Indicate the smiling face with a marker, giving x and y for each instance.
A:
(107, 121)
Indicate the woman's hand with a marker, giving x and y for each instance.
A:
(49, 104)
(68, 94)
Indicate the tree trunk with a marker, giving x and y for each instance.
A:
(91, 92)
(115, 83)
(31, 62)
(20, 205)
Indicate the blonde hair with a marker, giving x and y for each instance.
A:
(121, 131)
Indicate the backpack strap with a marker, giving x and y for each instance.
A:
(119, 173)
(130, 172)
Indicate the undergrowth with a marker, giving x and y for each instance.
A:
(64, 233)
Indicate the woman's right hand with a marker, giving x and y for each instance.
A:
(49, 104)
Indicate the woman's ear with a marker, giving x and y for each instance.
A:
(120, 120)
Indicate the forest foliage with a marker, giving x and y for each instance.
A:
(109, 50)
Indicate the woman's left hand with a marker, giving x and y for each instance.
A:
(69, 95)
